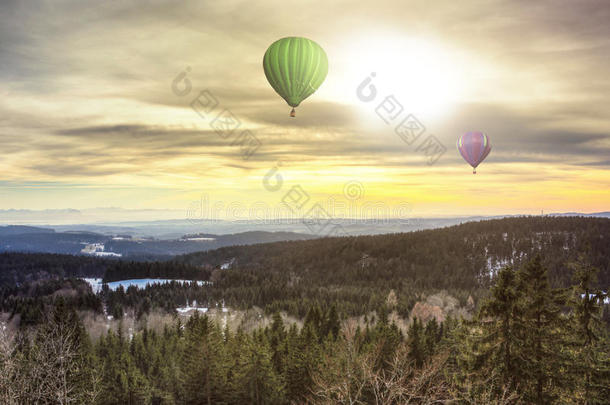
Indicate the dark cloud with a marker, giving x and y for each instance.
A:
(522, 136)
(310, 115)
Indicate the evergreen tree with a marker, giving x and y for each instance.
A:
(592, 365)
(313, 320)
(332, 323)
(498, 346)
(255, 380)
(415, 343)
(542, 332)
(295, 367)
(203, 364)
(277, 338)
(431, 337)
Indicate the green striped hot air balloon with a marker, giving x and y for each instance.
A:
(295, 67)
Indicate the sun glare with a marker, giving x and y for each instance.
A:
(424, 76)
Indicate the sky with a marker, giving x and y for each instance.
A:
(96, 106)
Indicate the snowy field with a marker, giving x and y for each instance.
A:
(96, 283)
(606, 299)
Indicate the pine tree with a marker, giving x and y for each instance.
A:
(332, 325)
(415, 343)
(122, 382)
(255, 380)
(203, 363)
(592, 365)
(314, 320)
(277, 338)
(498, 346)
(542, 332)
(431, 337)
(295, 367)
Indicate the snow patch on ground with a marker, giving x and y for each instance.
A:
(141, 283)
(606, 299)
(97, 249)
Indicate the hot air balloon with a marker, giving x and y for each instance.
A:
(474, 148)
(295, 67)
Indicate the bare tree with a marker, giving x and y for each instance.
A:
(50, 364)
(402, 383)
(488, 394)
(341, 375)
(349, 376)
(9, 393)
(48, 368)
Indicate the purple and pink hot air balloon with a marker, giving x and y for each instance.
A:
(474, 148)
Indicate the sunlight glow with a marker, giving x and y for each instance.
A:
(425, 77)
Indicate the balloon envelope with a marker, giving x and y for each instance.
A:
(295, 67)
(474, 148)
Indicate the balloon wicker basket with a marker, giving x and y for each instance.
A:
(293, 113)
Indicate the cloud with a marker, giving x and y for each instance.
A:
(86, 87)
(527, 136)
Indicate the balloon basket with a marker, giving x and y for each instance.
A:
(293, 113)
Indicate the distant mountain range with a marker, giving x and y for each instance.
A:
(15, 238)
(605, 214)
(172, 224)
(162, 239)
(70, 216)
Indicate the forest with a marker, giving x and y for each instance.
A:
(537, 329)
(528, 343)
(357, 273)
(354, 273)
